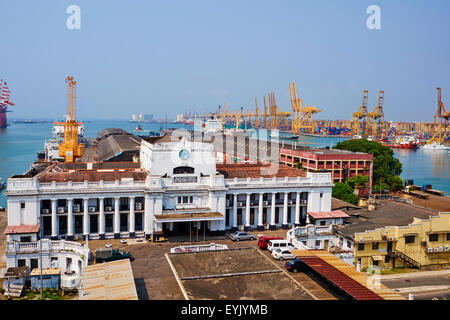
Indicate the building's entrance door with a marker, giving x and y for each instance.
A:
(389, 246)
(93, 223)
(124, 222)
(47, 221)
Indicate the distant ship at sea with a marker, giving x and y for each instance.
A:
(4, 103)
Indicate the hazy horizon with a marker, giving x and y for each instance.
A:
(164, 58)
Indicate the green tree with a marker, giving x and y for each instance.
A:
(299, 165)
(385, 165)
(344, 192)
(357, 181)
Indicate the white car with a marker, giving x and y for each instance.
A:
(282, 254)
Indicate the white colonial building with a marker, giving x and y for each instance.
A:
(176, 188)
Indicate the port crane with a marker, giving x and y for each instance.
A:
(302, 115)
(441, 122)
(278, 119)
(360, 117)
(70, 149)
(376, 118)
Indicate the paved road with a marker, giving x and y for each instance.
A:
(423, 287)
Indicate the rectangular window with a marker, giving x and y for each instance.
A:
(448, 236)
(433, 237)
(374, 245)
(22, 205)
(185, 199)
(349, 244)
(317, 243)
(21, 262)
(322, 222)
(409, 239)
(360, 246)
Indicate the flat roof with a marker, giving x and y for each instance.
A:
(257, 170)
(108, 281)
(328, 215)
(390, 213)
(48, 271)
(24, 228)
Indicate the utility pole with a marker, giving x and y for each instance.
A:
(40, 251)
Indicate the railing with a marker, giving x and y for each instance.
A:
(47, 246)
(404, 257)
(199, 248)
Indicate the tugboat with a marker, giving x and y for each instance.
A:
(404, 142)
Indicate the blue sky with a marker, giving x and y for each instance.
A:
(164, 57)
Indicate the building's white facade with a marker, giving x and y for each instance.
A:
(181, 189)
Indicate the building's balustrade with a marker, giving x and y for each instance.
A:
(47, 246)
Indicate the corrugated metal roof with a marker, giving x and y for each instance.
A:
(108, 281)
(343, 268)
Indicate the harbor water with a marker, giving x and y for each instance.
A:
(20, 142)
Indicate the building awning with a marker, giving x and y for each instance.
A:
(186, 217)
(377, 258)
(24, 228)
(328, 215)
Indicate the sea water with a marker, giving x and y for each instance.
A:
(20, 142)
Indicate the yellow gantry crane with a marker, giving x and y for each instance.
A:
(376, 118)
(278, 119)
(440, 123)
(302, 115)
(360, 117)
(70, 148)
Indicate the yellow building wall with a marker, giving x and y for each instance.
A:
(420, 229)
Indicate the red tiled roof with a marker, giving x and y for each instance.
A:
(257, 170)
(328, 215)
(24, 228)
(92, 175)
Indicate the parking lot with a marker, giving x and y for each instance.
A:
(155, 280)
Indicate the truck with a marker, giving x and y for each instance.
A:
(110, 254)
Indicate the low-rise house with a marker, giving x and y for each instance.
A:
(423, 242)
(335, 217)
(50, 278)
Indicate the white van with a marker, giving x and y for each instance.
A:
(279, 244)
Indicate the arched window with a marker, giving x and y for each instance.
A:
(181, 170)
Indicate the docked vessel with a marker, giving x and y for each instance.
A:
(403, 142)
(435, 146)
(51, 146)
(4, 103)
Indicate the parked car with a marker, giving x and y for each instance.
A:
(282, 254)
(240, 235)
(110, 254)
(279, 244)
(263, 241)
(293, 265)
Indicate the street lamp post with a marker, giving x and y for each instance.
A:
(40, 250)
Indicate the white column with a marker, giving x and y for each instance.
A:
(116, 216)
(297, 209)
(148, 215)
(235, 210)
(272, 211)
(69, 217)
(54, 219)
(101, 229)
(86, 216)
(247, 211)
(260, 212)
(285, 210)
(132, 216)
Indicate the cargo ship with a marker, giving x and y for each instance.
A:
(403, 142)
(4, 103)
(51, 146)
